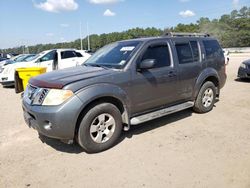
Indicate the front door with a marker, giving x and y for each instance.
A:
(158, 86)
(47, 60)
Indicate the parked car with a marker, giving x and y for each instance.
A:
(52, 59)
(2, 59)
(125, 83)
(18, 58)
(244, 70)
(226, 55)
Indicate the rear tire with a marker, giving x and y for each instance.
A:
(206, 98)
(100, 128)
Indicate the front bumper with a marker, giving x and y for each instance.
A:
(7, 83)
(54, 121)
(243, 73)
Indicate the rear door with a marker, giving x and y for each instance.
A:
(188, 53)
(156, 87)
(67, 59)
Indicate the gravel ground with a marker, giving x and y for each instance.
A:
(181, 150)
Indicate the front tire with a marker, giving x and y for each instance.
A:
(206, 98)
(100, 128)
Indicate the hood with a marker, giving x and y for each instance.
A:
(58, 79)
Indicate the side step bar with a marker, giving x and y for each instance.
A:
(159, 113)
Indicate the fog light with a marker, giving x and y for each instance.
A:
(48, 127)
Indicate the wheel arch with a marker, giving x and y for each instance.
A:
(207, 75)
(108, 94)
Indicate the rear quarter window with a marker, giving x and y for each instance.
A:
(212, 49)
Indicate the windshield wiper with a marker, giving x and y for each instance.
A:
(96, 65)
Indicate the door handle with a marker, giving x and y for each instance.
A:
(172, 74)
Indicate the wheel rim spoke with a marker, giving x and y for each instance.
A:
(93, 129)
(101, 118)
(108, 133)
(99, 137)
(110, 122)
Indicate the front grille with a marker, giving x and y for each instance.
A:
(248, 66)
(43, 95)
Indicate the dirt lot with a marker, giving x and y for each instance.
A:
(180, 150)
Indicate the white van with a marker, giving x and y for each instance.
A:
(52, 59)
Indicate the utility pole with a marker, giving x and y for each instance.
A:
(81, 34)
(88, 36)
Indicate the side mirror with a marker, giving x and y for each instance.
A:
(147, 64)
(38, 61)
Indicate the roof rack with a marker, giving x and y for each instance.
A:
(172, 34)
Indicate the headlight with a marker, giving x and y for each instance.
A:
(243, 66)
(51, 97)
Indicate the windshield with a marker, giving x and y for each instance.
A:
(27, 58)
(115, 55)
(32, 57)
(17, 58)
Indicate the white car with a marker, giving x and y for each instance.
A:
(226, 55)
(51, 59)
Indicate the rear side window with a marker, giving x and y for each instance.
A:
(212, 49)
(68, 54)
(79, 54)
(160, 54)
(195, 50)
(184, 53)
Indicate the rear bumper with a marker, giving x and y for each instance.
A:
(53, 121)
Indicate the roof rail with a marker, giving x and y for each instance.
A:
(173, 34)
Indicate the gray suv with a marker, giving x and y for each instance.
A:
(126, 83)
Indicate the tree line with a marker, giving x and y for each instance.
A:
(232, 30)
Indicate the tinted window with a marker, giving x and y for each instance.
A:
(184, 53)
(212, 49)
(49, 56)
(68, 54)
(195, 50)
(79, 54)
(160, 54)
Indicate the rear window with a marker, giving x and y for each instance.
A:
(212, 49)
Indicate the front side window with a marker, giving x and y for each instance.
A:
(48, 57)
(212, 49)
(160, 53)
(184, 53)
(114, 55)
(68, 54)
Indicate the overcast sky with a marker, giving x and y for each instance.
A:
(29, 22)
